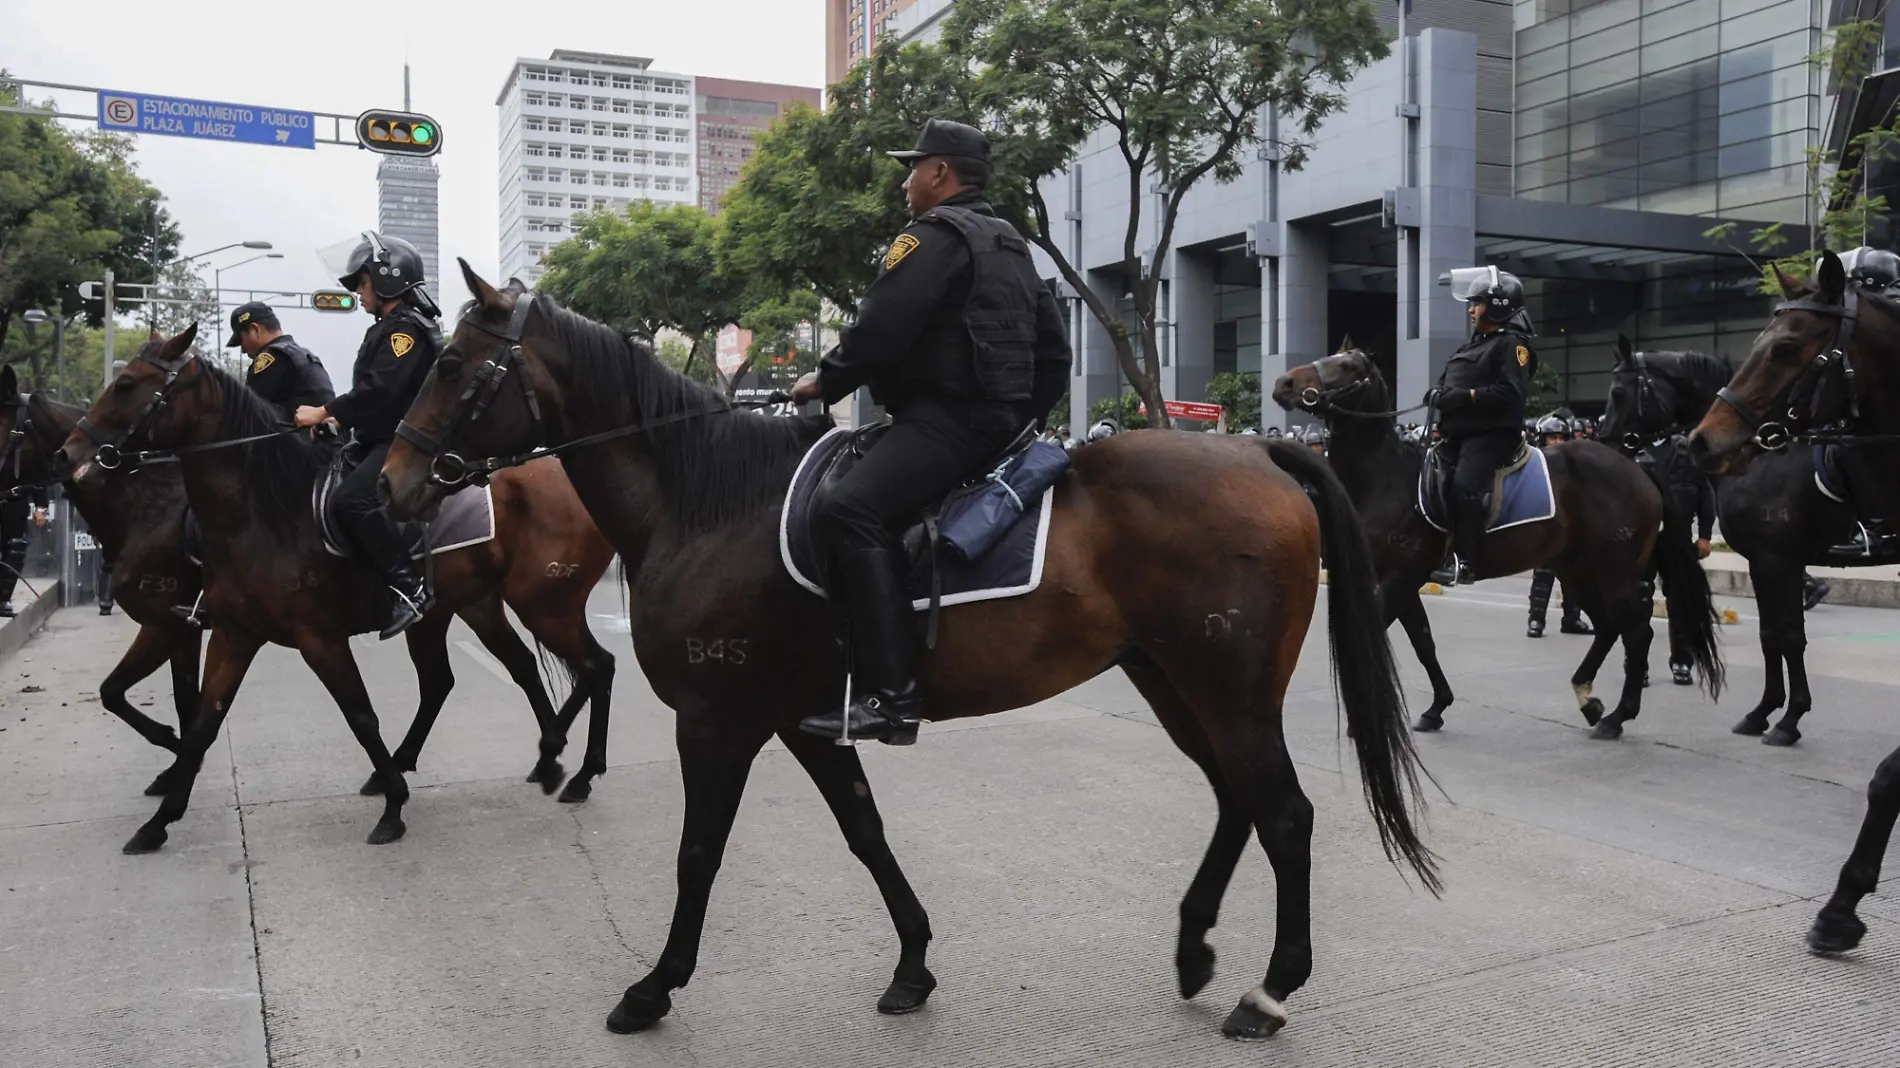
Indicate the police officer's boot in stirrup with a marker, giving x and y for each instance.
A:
(1467, 533)
(411, 601)
(1876, 541)
(885, 698)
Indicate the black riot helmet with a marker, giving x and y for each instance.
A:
(393, 266)
(1500, 292)
(1873, 269)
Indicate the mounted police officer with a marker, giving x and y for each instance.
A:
(1687, 490)
(17, 510)
(1876, 271)
(282, 372)
(1553, 429)
(1480, 401)
(397, 352)
(960, 341)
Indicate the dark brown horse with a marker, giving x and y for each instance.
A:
(138, 522)
(1191, 562)
(1829, 355)
(1611, 533)
(269, 578)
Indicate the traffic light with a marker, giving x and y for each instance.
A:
(333, 300)
(398, 133)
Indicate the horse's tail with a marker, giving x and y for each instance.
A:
(1692, 615)
(1365, 678)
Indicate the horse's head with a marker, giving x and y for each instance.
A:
(482, 398)
(1345, 383)
(149, 405)
(1784, 386)
(1642, 402)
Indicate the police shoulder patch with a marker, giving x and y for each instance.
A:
(400, 344)
(262, 363)
(1523, 356)
(903, 246)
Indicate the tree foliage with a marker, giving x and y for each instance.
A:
(72, 206)
(1240, 395)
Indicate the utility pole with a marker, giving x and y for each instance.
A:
(110, 351)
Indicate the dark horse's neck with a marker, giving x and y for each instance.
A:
(1367, 452)
(122, 510)
(252, 495)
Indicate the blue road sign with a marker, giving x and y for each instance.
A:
(205, 119)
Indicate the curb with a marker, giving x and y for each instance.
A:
(20, 629)
(1842, 590)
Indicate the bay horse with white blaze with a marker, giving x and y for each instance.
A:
(1831, 354)
(269, 577)
(1155, 534)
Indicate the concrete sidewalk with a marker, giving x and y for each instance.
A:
(1864, 587)
(33, 612)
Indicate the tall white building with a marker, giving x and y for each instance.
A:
(583, 131)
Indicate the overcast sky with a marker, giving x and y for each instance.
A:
(348, 58)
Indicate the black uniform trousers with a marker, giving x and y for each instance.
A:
(14, 515)
(1475, 459)
(930, 449)
(359, 508)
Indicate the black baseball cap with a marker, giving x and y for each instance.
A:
(255, 311)
(941, 137)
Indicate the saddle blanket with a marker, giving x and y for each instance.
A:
(1521, 493)
(1828, 476)
(467, 518)
(1011, 568)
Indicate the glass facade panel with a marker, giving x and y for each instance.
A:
(1764, 24)
(1680, 19)
(1604, 73)
(1680, 49)
(1611, 42)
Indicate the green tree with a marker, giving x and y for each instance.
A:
(71, 207)
(780, 336)
(1240, 395)
(1547, 391)
(1177, 86)
(677, 353)
(653, 268)
(1125, 410)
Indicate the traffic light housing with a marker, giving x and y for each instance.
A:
(333, 300)
(398, 133)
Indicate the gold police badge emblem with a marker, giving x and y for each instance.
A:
(400, 344)
(1523, 356)
(262, 363)
(903, 246)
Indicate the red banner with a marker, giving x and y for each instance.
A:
(1210, 413)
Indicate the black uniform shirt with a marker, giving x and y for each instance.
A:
(1498, 368)
(925, 280)
(289, 376)
(396, 354)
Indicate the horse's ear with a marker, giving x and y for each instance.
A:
(1830, 276)
(179, 344)
(1787, 283)
(1345, 344)
(484, 293)
(515, 287)
(1622, 349)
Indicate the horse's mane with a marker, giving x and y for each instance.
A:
(713, 468)
(1706, 371)
(278, 472)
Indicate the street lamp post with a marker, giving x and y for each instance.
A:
(217, 277)
(37, 315)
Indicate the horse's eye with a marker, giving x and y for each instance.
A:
(449, 368)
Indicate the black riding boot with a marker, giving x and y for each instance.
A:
(1813, 591)
(105, 587)
(885, 698)
(381, 541)
(412, 600)
(1876, 541)
(1467, 533)
(1541, 582)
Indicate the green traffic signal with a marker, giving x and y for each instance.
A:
(398, 133)
(421, 134)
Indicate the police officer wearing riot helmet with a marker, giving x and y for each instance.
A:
(1553, 429)
(1480, 403)
(1876, 271)
(397, 352)
(282, 372)
(960, 341)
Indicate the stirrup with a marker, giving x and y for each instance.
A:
(190, 615)
(417, 607)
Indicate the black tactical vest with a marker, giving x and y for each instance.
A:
(998, 329)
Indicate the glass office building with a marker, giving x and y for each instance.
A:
(1692, 107)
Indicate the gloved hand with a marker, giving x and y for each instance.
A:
(1450, 400)
(1432, 395)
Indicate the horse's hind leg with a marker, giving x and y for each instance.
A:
(1409, 607)
(594, 679)
(1200, 909)
(839, 776)
(498, 636)
(1637, 633)
(1837, 929)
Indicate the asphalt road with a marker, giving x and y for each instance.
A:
(1630, 903)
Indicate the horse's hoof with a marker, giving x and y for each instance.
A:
(1832, 935)
(637, 1013)
(1428, 723)
(577, 791)
(1607, 731)
(549, 775)
(387, 831)
(907, 995)
(1194, 966)
(1751, 726)
(372, 786)
(145, 840)
(1256, 1017)
(1592, 711)
(1782, 736)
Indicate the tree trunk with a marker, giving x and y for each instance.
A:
(686, 369)
(732, 384)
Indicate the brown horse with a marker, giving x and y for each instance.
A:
(1827, 356)
(271, 580)
(1603, 542)
(1190, 562)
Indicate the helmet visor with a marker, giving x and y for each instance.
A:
(1466, 279)
(347, 258)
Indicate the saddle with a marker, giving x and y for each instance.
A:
(1011, 543)
(467, 518)
(1520, 492)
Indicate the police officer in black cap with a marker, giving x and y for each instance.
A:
(1480, 400)
(282, 372)
(962, 343)
(387, 275)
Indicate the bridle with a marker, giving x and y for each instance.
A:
(1633, 440)
(114, 453)
(448, 467)
(1312, 397)
(1801, 399)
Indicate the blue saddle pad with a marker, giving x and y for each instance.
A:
(467, 518)
(1011, 568)
(1521, 493)
(1828, 477)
